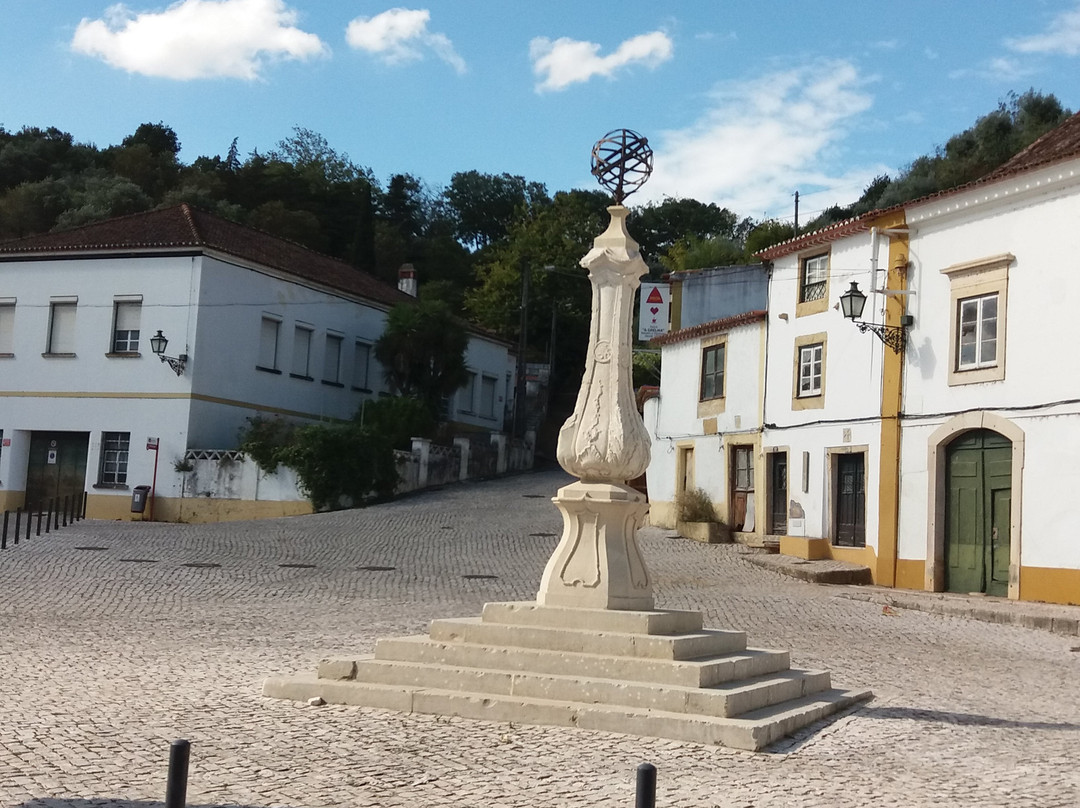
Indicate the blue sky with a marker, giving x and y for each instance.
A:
(743, 101)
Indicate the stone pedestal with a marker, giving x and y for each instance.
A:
(597, 564)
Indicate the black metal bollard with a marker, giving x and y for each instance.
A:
(3, 533)
(176, 788)
(48, 516)
(84, 495)
(67, 506)
(38, 533)
(646, 786)
(18, 524)
(29, 519)
(56, 514)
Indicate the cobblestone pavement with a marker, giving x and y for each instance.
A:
(116, 638)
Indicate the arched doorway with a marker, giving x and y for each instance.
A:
(949, 439)
(978, 499)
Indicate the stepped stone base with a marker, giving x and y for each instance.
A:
(651, 673)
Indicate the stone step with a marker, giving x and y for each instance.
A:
(692, 645)
(702, 672)
(529, 613)
(752, 731)
(730, 699)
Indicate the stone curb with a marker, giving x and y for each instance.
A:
(1056, 619)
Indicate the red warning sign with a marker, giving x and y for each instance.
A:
(655, 296)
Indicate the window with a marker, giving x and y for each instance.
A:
(268, 344)
(979, 300)
(808, 377)
(301, 355)
(7, 327)
(977, 333)
(487, 396)
(361, 366)
(61, 328)
(126, 316)
(467, 394)
(114, 458)
(810, 359)
(813, 276)
(712, 372)
(332, 360)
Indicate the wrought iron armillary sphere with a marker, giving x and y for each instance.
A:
(621, 162)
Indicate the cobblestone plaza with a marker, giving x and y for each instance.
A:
(117, 637)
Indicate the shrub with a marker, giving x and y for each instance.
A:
(694, 505)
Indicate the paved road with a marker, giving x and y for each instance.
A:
(108, 654)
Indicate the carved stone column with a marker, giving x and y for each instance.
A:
(597, 563)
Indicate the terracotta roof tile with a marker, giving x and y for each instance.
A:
(711, 327)
(186, 228)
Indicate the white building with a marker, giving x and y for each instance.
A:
(265, 327)
(941, 459)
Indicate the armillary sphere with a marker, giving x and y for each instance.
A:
(622, 162)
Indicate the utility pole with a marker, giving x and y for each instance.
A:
(523, 339)
(796, 213)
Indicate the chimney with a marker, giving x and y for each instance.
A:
(406, 279)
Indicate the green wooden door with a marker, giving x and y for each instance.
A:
(56, 467)
(977, 507)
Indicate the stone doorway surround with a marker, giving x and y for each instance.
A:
(938, 443)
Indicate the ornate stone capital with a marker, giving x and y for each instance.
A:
(605, 440)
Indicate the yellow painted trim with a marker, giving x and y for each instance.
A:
(192, 510)
(662, 514)
(676, 303)
(712, 406)
(1050, 585)
(10, 500)
(814, 402)
(821, 304)
(804, 547)
(910, 573)
(87, 394)
(228, 402)
(856, 555)
(892, 391)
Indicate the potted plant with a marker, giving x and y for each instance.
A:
(697, 519)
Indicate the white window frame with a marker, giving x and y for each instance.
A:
(7, 326)
(332, 359)
(63, 313)
(811, 370)
(978, 280)
(269, 344)
(985, 355)
(301, 355)
(362, 370)
(130, 311)
(113, 466)
(487, 407)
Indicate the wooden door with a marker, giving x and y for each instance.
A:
(778, 498)
(56, 467)
(978, 513)
(742, 485)
(851, 500)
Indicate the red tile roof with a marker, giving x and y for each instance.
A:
(711, 327)
(184, 228)
(1059, 144)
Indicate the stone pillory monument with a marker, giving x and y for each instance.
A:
(592, 651)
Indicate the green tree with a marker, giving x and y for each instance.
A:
(422, 350)
(659, 227)
(486, 206)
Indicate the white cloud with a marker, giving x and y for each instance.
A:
(196, 39)
(401, 35)
(570, 61)
(1000, 68)
(759, 141)
(1061, 36)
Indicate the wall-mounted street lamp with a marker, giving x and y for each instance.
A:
(852, 303)
(158, 343)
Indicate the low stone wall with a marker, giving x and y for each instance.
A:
(224, 485)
